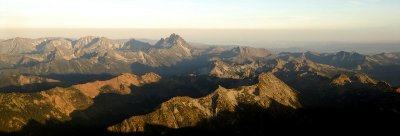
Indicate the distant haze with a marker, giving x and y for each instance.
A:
(269, 38)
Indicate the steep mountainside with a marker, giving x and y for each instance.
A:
(19, 45)
(58, 103)
(388, 58)
(136, 45)
(182, 112)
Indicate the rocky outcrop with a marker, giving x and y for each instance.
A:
(364, 79)
(340, 80)
(360, 78)
(272, 87)
(172, 40)
(181, 112)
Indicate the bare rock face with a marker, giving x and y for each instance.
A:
(19, 45)
(277, 90)
(181, 112)
(172, 40)
(150, 78)
(120, 84)
(223, 70)
(340, 80)
(166, 52)
(364, 79)
(136, 45)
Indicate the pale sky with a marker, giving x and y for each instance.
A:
(365, 19)
(267, 14)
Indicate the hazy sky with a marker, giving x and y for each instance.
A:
(356, 16)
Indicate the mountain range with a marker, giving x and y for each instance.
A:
(62, 86)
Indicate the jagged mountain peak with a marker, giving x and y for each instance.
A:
(277, 90)
(84, 41)
(172, 40)
(95, 46)
(174, 37)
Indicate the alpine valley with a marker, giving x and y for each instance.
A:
(101, 86)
